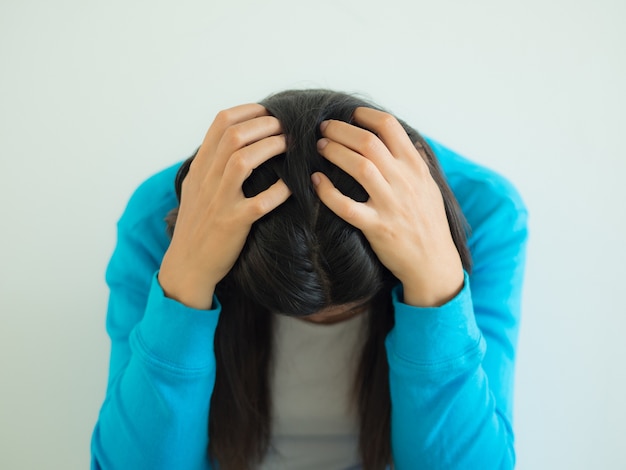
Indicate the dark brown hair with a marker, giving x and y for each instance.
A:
(297, 260)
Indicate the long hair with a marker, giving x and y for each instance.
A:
(297, 260)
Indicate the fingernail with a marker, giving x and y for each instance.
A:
(322, 143)
(316, 179)
(324, 125)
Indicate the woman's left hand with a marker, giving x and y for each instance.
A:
(404, 219)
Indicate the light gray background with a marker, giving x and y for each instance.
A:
(96, 96)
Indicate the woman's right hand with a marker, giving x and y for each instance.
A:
(214, 217)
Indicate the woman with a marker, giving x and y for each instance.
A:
(314, 307)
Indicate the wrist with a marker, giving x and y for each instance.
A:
(435, 291)
(185, 286)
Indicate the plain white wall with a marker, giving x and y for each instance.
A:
(96, 96)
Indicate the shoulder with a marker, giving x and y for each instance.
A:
(490, 202)
(152, 200)
(141, 230)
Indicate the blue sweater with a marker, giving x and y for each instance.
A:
(451, 367)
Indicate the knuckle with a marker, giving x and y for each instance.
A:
(388, 122)
(370, 143)
(224, 118)
(421, 166)
(233, 137)
(258, 207)
(239, 162)
(347, 211)
(365, 170)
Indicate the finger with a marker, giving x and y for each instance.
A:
(361, 141)
(222, 121)
(268, 200)
(231, 116)
(388, 130)
(240, 136)
(241, 163)
(355, 213)
(244, 134)
(356, 165)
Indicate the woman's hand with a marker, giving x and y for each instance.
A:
(404, 219)
(214, 216)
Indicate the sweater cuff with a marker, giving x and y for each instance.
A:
(175, 336)
(435, 338)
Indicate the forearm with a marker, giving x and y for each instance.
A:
(444, 414)
(449, 425)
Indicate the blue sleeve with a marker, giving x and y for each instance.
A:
(452, 367)
(162, 365)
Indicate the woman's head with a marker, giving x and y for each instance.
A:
(302, 258)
